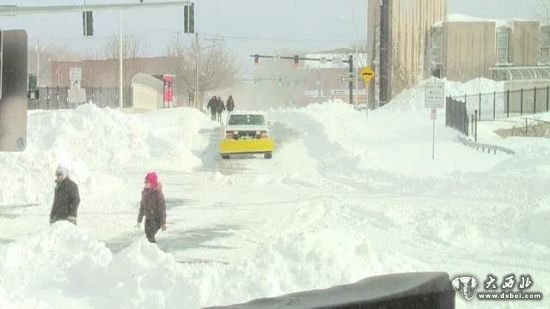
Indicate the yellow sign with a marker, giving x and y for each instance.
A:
(367, 74)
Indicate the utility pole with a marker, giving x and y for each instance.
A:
(197, 57)
(37, 63)
(385, 52)
(120, 66)
(350, 62)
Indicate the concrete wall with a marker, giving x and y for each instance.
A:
(411, 21)
(469, 49)
(524, 47)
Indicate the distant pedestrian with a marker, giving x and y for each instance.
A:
(152, 207)
(212, 106)
(230, 104)
(220, 108)
(66, 197)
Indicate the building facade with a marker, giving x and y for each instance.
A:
(397, 36)
(462, 49)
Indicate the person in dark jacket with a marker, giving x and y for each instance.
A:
(66, 197)
(152, 207)
(220, 108)
(230, 104)
(212, 106)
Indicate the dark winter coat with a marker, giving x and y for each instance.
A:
(65, 202)
(212, 105)
(220, 107)
(230, 104)
(153, 205)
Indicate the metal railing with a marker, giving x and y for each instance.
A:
(58, 98)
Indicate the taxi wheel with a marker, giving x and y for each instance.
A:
(225, 157)
(267, 155)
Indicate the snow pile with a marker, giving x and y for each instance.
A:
(61, 267)
(413, 99)
(361, 143)
(89, 139)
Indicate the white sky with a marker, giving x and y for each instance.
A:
(249, 26)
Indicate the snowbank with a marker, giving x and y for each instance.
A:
(89, 139)
(359, 143)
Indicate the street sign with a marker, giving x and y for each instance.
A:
(75, 84)
(75, 74)
(435, 95)
(367, 74)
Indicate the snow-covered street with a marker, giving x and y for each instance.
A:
(345, 197)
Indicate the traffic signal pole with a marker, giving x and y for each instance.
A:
(15, 10)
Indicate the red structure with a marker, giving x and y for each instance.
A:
(168, 95)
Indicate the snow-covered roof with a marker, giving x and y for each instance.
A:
(458, 18)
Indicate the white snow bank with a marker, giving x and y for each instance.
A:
(61, 268)
(89, 139)
(396, 138)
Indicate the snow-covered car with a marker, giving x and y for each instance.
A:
(246, 132)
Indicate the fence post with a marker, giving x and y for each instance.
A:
(526, 127)
(521, 104)
(494, 104)
(535, 101)
(479, 105)
(465, 120)
(547, 96)
(508, 103)
(475, 122)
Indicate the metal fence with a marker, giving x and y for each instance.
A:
(58, 98)
(456, 115)
(506, 104)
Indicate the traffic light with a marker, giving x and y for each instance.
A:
(296, 60)
(189, 18)
(256, 59)
(88, 23)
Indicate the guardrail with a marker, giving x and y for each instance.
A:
(490, 148)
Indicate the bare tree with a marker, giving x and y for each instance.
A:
(42, 55)
(217, 68)
(131, 47)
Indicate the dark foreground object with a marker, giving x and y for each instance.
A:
(410, 291)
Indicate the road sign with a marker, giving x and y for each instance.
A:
(75, 84)
(435, 95)
(75, 74)
(367, 74)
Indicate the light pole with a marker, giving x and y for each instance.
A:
(120, 65)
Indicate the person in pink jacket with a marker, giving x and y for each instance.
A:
(152, 207)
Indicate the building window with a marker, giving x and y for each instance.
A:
(437, 34)
(544, 53)
(503, 35)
